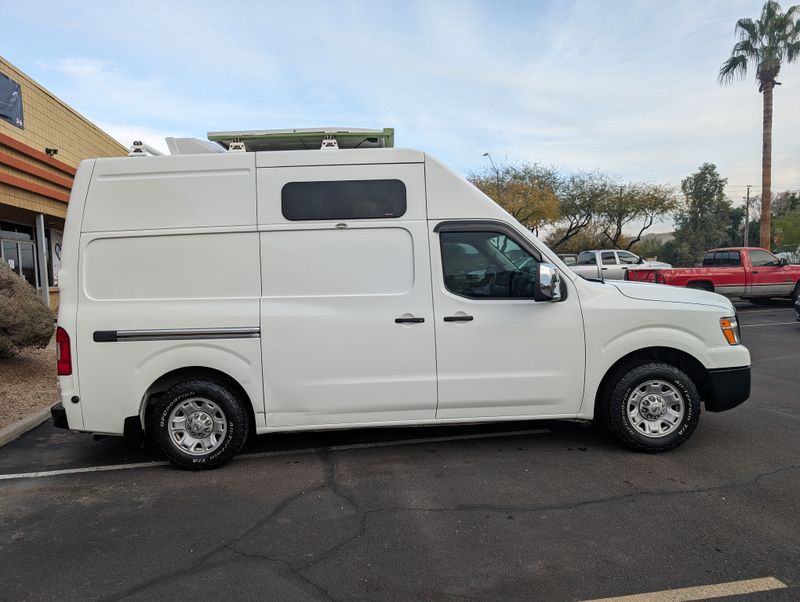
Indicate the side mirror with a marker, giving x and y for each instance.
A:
(783, 261)
(548, 283)
(641, 260)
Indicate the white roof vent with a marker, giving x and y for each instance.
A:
(192, 146)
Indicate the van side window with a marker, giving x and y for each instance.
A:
(345, 199)
(486, 265)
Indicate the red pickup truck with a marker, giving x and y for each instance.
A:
(746, 272)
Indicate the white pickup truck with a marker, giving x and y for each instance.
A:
(611, 264)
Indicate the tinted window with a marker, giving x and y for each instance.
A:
(709, 259)
(586, 258)
(10, 101)
(627, 258)
(733, 258)
(608, 258)
(486, 265)
(347, 199)
(762, 259)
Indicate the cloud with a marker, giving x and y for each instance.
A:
(629, 87)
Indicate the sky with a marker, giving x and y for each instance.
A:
(625, 87)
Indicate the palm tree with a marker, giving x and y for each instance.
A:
(765, 44)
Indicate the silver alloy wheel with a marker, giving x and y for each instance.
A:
(197, 426)
(655, 408)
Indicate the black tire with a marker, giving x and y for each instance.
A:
(215, 400)
(701, 286)
(626, 381)
(795, 293)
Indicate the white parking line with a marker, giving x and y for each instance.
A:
(703, 592)
(280, 452)
(53, 473)
(768, 324)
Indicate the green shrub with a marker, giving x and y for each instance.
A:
(24, 320)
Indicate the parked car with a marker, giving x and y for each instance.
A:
(569, 259)
(747, 272)
(207, 296)
(611, 264)
(791, 253)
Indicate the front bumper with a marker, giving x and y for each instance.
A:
(729, 388)
(59, 415)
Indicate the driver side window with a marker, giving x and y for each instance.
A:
(627, 258)
(487, 265)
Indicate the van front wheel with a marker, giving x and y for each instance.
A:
(652, 407)
(199, 424)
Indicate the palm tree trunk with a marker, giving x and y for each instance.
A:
(766, 167)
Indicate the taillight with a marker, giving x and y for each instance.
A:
(63, 352)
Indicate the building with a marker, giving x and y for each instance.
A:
(42, 140)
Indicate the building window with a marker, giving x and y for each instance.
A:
(18, 249)
(346, 199)
(11, 101)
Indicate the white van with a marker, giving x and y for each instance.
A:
(206, 297)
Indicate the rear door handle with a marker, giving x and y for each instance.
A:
(409, 320)
(458, 318)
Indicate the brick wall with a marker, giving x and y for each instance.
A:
(51, 123)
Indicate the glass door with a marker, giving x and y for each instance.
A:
(22, 256)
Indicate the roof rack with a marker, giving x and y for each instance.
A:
(305, 139)
(140, 149)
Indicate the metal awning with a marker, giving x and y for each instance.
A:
(306, 138)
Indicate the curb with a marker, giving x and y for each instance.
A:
(19, 428)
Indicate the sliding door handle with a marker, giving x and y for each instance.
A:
(409, 320)
(458, 318)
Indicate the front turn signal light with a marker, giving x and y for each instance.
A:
(730, 330)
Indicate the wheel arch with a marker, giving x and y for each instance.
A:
(179, 375)
(686, 362)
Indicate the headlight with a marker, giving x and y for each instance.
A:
(730, 330)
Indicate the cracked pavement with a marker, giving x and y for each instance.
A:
(563, 515)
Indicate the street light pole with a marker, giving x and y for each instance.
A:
(496, 174)
(747, 218)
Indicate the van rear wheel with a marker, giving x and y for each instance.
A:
(652, 407)
(199, 424)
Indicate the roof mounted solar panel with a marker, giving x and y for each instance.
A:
(306, 138)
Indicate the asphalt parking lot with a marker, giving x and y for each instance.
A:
(533, 511)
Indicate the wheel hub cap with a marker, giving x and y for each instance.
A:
(652, 407)
(199, 424)
(655, 408)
